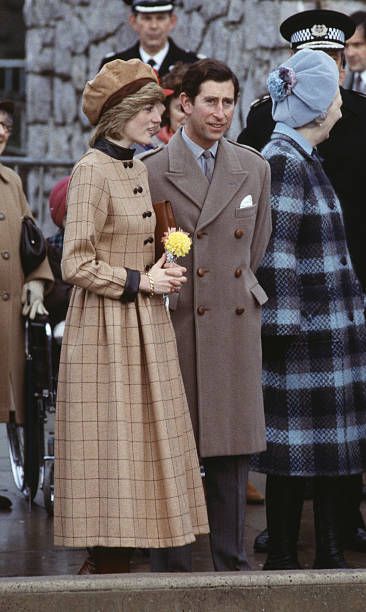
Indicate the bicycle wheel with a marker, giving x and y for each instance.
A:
(48, 485)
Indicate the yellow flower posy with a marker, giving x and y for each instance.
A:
(177, 243)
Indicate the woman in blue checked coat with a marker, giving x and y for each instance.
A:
(314, 343)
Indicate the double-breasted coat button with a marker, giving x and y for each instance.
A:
(147, 213)
(5, 254)
(125, 164)
(2, 216)
(149, 240)
(238, 272)
(5, 296)
(343, 260)
(239, 311)
(201, 310)
(201, 272)
(139, 189)
(238, 233)
(135, 190)
(130, 164)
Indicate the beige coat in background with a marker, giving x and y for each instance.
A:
(217, 315)
(13, 206)
(126, 470)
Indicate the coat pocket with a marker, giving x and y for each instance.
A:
(259, 294)
(246, 212)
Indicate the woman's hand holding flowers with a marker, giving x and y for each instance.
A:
(166, 280)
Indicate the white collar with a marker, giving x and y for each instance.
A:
(195, 148)
(158, 58)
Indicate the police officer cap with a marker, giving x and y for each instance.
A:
(151, 6)
(318, 29)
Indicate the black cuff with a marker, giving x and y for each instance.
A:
(131, 286)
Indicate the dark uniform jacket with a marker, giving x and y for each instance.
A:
(343, 160)
(174, 55)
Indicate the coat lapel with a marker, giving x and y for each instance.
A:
(228, 177)
(193, 184)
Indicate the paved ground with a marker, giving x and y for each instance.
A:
(26, 547)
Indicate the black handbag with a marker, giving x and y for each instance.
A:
(33, 248)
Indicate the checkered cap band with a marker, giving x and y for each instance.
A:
(306, 35)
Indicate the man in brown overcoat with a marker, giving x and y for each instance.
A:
(13, 286)
(220, 195)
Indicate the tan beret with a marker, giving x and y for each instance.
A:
(115, 81)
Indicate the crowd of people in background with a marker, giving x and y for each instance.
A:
(249, 352)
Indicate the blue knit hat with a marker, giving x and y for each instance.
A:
(303, 88)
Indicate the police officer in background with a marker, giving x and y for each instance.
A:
(153, 20)
(344, 162)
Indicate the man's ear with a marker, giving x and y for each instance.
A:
(186, 103)
(132, 21)
(173, 20)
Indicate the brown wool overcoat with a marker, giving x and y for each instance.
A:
(217, 315)
(126, 470)
(13, 206)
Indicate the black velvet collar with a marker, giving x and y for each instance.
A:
(113, 150)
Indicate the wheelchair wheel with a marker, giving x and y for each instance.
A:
(26, 455)
(48, 485)
(16, 453)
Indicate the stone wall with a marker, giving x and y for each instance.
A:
(66, 40)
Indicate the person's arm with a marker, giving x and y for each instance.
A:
(278, 272)
(263, 224)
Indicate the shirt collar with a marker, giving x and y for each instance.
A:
(195, 148)
(159, 57)
(282, 128)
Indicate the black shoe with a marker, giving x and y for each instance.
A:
(356, 541)
(331, 562)
(5, 503)
(281, 563)
(327, 518)
(261, 542)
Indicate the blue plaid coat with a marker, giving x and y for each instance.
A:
(315, 389)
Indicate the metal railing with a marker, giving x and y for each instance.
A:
(35, 173)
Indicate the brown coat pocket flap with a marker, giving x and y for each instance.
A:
(259, 294)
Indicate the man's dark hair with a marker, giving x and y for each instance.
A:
(359, 19)
(207, 70)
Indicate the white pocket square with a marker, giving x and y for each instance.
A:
(246, 202)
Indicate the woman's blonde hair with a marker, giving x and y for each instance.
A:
(113, 120)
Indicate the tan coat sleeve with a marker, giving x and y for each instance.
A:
(43, 272)
(263, 226)
(87, 211)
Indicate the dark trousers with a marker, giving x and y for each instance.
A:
(225, 482)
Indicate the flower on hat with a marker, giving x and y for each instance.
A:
(281, 82)
(177, 243)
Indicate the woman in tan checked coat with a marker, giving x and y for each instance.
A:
(126, 471)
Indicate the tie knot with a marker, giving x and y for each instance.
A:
(151, 62)
(207, 154)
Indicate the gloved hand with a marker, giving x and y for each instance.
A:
(35, 305)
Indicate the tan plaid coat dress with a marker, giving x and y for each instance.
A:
(126, 470)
